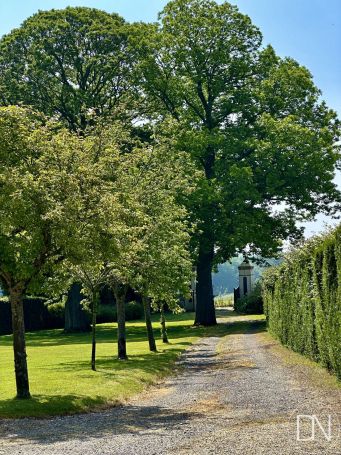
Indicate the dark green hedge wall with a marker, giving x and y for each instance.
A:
(36, 313)
(302, 300)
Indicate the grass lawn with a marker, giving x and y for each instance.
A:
(62, 382)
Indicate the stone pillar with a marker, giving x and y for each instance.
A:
(245, 278)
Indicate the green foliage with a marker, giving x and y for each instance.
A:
(302, 299)
(251, 303)
(57, 310)
(106, 313)
(253, 123)
(134, 311)
(153, 256)
(54, 186)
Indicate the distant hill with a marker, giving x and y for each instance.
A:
(226, 279)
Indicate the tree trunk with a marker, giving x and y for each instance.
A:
(150, 334)
(93, 320)
(120, 296)
(76, 320)
(205, 311)
(163, 326)
(16, 295)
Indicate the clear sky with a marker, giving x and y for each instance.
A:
(307, 30)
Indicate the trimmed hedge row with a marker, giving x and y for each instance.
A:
(37, 316)
(302, 300)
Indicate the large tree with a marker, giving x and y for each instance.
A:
(74, 63)
(251, 121)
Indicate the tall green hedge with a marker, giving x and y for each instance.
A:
(302, 300)
(36, 314)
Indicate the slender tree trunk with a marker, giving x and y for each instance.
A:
(93, 319)
(120, 292)
(16, 295)
(205, 311)
(149, 326)
(163, 325)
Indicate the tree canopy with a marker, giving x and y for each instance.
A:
(73, 63)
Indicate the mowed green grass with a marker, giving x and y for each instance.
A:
(62, 382)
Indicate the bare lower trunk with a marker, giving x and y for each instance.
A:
(120, 292)
(149, 326)
(163, 325)
(205, 311)
(93, 319)
(16, 295)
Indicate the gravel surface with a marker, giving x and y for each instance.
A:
(236, 395)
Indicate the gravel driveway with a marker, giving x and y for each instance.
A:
(236, 395)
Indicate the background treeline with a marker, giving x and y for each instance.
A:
(302, 300)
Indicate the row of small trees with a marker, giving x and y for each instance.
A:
(99, 209)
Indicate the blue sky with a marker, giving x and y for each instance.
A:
(307, 30)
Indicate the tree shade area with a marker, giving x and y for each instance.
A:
(59, 366)
(132, 155)
(302, 300)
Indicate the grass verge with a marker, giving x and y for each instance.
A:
(316, 372)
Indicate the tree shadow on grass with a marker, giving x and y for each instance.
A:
(127, 419)
(105, 334)
(57, 405)
(233, 327)
(136, 331)
(154, 363)
(120, 420)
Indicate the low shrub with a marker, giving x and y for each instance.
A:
(57, 310)
(251, 303)
(222, 301)
(106, 313)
